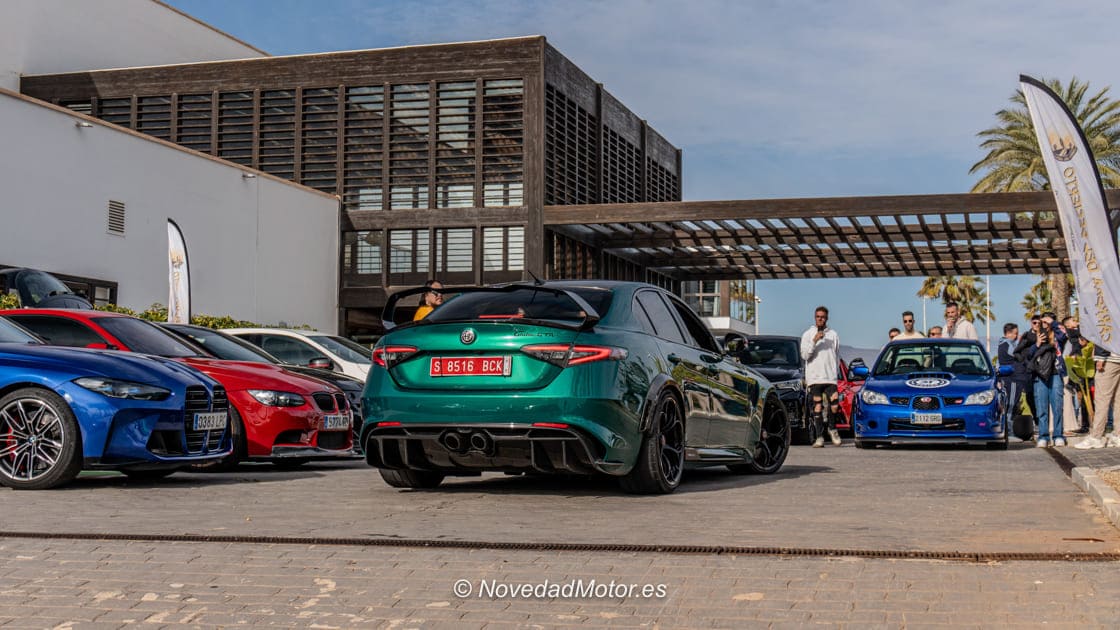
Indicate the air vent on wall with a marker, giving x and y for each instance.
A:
(116, 217)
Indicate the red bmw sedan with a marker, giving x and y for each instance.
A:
(276, 415)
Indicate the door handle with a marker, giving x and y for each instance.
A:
(673, 358)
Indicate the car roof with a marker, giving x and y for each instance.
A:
(935, 340)
(773, 337)
(76, 313)
(293, 331)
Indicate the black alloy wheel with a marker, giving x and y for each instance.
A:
(773, 443)
(660, 464)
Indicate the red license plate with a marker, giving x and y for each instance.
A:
(470, 366)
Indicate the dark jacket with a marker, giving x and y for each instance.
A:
(1006, 351)
(1026, 351)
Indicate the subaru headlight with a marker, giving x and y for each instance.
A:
(871, 397)
(276, 399)
(114, 388)
(981, 398)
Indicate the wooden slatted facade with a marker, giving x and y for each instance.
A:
(444, 156)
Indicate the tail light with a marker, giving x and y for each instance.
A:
(388, 356)
(569, 355)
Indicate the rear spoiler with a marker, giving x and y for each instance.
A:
(591, 316)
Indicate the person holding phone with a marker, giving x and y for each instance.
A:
(1041, 352)
(820, 347)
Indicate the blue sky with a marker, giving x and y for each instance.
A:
(767, 99)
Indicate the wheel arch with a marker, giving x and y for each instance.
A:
(660, 384)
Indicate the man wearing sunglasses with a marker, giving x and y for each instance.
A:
(908, 331)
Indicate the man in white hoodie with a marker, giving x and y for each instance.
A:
(820, 347)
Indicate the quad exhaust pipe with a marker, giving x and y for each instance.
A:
(463, 443)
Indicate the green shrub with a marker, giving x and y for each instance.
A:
(158, 313)
(9, 300)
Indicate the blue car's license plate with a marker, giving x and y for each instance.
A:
(927, 418)
(210, 421)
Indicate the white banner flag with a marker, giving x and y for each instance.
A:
(178, 277)
(1081, 207)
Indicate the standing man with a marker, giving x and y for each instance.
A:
(1106, 400)
(1018, 382)
(820, 347)
(908, 331)
(957, 327)
(1071, 400)
(1041, 352)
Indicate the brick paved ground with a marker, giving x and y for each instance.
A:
(929, 499)
(926, 499)
(114, 584)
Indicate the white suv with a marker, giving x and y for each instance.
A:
(310, 348)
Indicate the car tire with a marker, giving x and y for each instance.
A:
(54, 421)
(773, 443)
(1001, 445)
(660, 464)
(861, 444)
(240, 447)
(411, 478)
(149, 475)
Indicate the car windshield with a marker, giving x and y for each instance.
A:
(141, 336)
(777, 353)
(35, 286)
(348, 350)
(12, 333)
(225, 346)
(957, 358)
(523, 303)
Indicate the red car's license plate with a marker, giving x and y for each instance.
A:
(470, 366)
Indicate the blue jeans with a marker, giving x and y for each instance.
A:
(1048, 400)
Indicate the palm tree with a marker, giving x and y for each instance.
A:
(967, 291)
(1014, 162)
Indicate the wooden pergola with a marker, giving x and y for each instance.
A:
(837, 237)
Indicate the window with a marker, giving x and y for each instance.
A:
(701, 336)
(289, 350)
(702, 296)
(59, 331)
(664, 325)
(503, 248)
(454, 250)
(408, 251)
(455, 147)
(361, 251)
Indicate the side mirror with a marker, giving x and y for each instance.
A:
(1006, 370)
(321, 363)
(861, 372)
(734, 343)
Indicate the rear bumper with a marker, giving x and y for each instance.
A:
(472, 448)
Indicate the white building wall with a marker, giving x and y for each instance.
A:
(51, 36)
(260, 248)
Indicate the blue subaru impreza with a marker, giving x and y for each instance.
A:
(63, 410)
(933, 391)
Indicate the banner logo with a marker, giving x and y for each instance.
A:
(1063, 146)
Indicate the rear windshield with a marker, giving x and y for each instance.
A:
(960, 359)
(522, 303)
(141, 336)
(224, 346)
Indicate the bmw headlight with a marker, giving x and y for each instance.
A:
(981, 398)
(276, 399)
(114, 388)
(871, 397)
(793, 385)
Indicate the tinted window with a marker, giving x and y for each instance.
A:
(146, 337)
(701, 336)
(781, 353)
(289, 350)
(11, 333)
(59, 331)
(224, 346)
(664, 325)
(344, 348)
(35, 286)
(521, 303)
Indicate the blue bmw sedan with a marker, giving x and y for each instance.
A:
(63, 410)
(933, 391)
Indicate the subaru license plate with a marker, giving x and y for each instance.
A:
(927, 418)
(212, 421)
(336, 421)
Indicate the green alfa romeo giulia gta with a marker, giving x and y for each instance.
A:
(568, 377)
